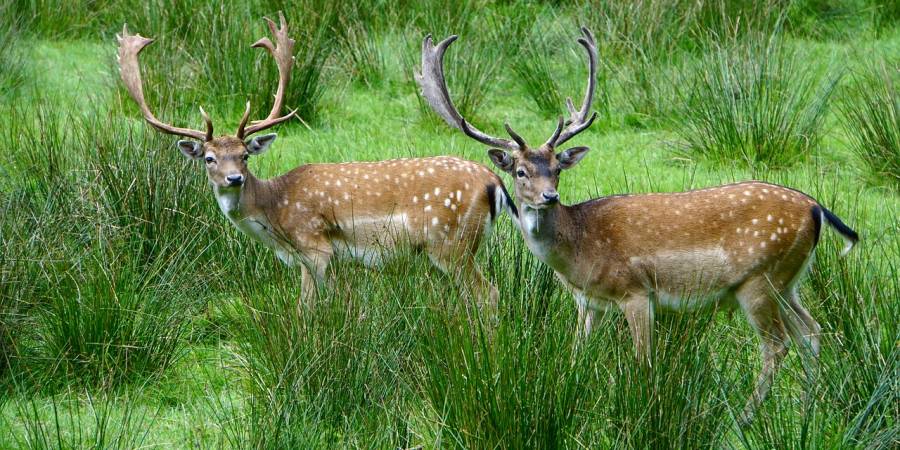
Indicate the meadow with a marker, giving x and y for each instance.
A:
(133, 314)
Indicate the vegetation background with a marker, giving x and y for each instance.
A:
(133, 315)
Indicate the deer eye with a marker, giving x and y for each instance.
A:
(210, 160)
(520, 173)
(245, 157)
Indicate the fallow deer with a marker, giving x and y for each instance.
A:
(740, 245)
(364, 210)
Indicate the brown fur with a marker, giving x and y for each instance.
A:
(365, 210)
(741, 245)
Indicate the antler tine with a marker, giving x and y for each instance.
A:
(559, 127)
(209, 125)
(519, 141)
(130, 46)
(240, 130)
(434, 89)
(578, 119)
(283, 52)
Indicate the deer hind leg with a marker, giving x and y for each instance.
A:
(461, 266)
(760, 305)
(639, 313)
(804, 330)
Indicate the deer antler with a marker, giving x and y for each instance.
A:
(434, 89)
(282, 51)
(578, 119)
(130, 47)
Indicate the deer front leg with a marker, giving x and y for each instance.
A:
(316, 256)
(586, 316)
(639, 313)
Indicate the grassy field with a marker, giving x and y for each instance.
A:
(132, 314)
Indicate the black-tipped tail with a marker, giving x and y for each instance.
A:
(499, 200)
(849, 235)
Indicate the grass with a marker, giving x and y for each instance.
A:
(755, 105)
(872, 114)
(133, 314)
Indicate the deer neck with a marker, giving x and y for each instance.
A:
(545, 231)
(252, 201)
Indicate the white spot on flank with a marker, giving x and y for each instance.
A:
(430, 170)
(426, 196)
(773, 237)
(437, 191)
(754, 221)
(434, 220)
(762, 244)
(415, 199)
(337, 183)
(427, 208)
(781, 221)
(747, 193)
(447, 202)
(769, 218)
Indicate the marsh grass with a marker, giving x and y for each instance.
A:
(330, 373)
(107, 286)
(79, 419)
(119, 275)
(12, 50)
(534, 68)
(871, 108)
(754, 104)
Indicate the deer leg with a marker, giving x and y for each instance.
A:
(804, 328)
(317, 255)
(763, 312)
(639, 313)
(470, 279)
(586, 316)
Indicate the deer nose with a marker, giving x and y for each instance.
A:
(550, 196)
(235, 180)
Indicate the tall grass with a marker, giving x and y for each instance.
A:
(96, 420)
(871, 110)
(12, 51)
(534, 67)
(852, 401)
(109, 292)
(331, 374)
(755, 105)
(520, 385)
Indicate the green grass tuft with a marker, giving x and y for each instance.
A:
(872, 113)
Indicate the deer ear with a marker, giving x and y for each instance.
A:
(260, 144)
(501, 159)
(191, 149)
(570, 157)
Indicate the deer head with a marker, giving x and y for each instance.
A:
(225, 156)
(535, 170)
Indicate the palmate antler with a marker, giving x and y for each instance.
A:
(283, 52)
(130, 47)
(578, 119)
(434, 89)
